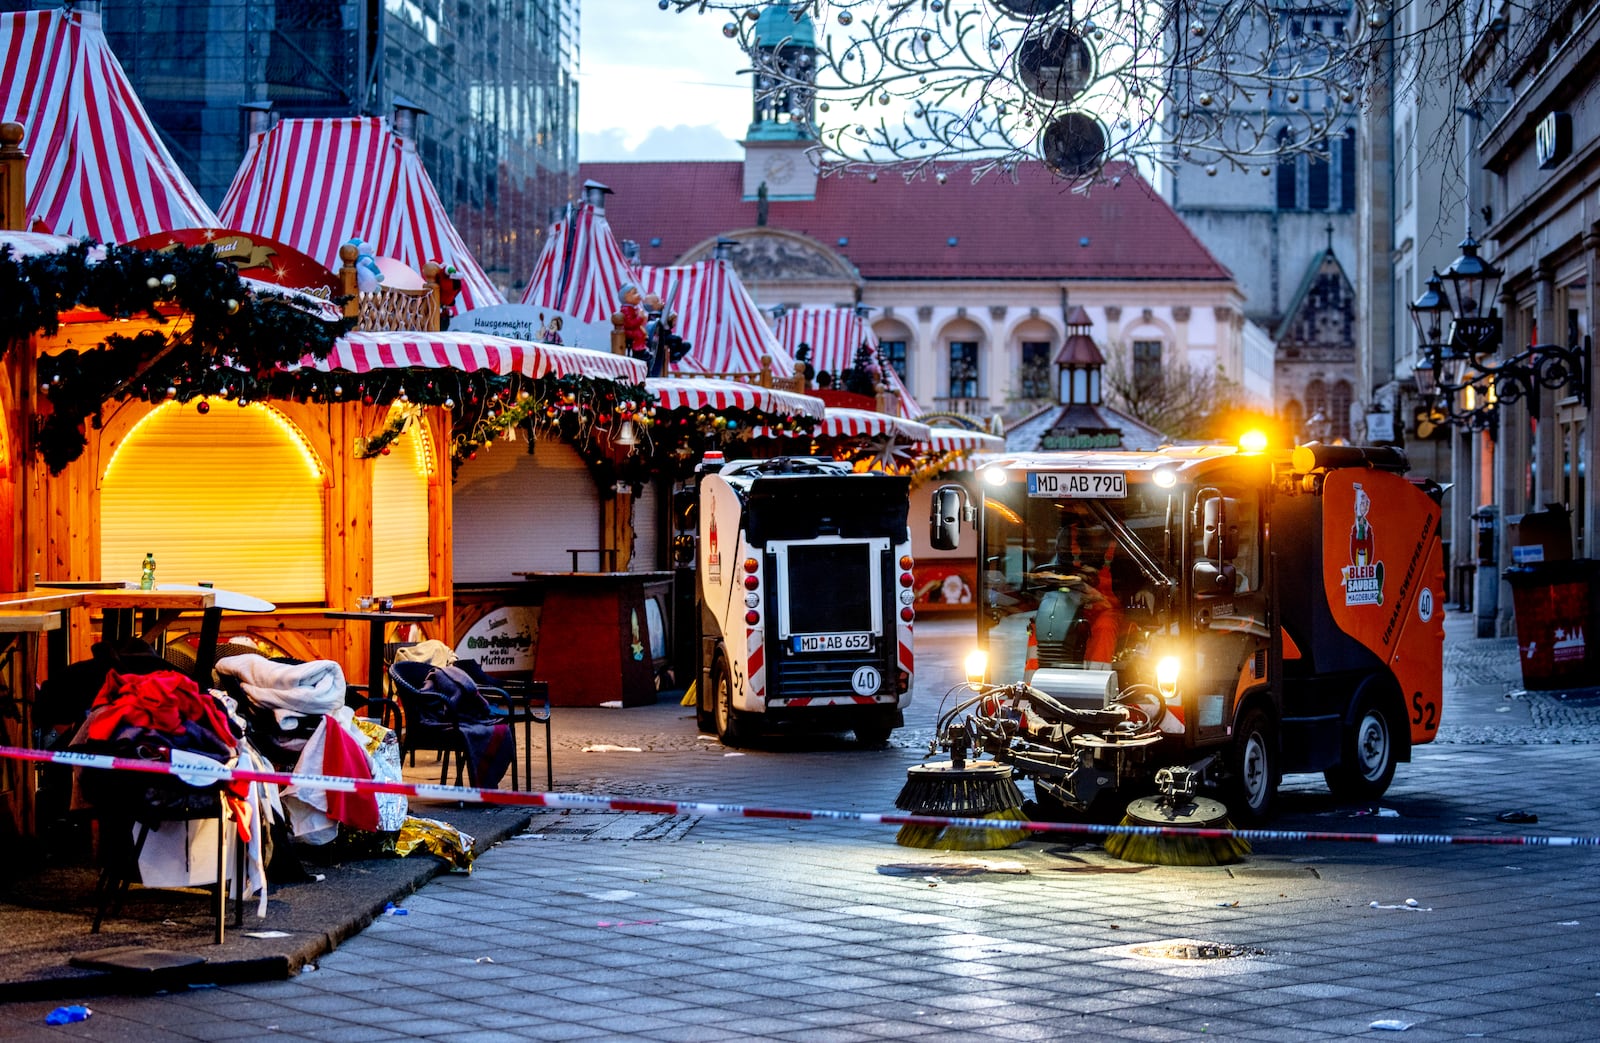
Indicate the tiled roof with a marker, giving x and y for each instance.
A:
(1032, 228)
(1080, 350)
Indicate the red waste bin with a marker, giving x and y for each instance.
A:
(1555, 605)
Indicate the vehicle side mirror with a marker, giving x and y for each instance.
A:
(1210, 578)
(1221, 535)
(686, 509)
(944, 525)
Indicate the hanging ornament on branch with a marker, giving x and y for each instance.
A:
(400, 417)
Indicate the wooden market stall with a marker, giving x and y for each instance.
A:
(66, 106)
(277, 497)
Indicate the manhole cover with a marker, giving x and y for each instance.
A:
(1196, 951)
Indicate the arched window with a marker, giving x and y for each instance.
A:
(1339, 399)
(1294, 417)
(233, 497)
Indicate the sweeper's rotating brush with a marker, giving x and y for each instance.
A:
(965, 789)
(1177, 806)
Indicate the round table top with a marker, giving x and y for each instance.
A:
(231, 600)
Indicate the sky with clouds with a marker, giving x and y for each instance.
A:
(656, 85)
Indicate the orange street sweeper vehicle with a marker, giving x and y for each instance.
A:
(1228, 613)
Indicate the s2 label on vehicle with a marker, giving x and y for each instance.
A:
(1084, 485)
(832, 642)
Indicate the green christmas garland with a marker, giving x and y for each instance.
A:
(214, 330)
(222, 341)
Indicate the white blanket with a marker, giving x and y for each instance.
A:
(290, 690)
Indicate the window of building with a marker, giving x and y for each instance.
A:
(895, 352)
(1317, 178)
(1294, 416)
(963, 369)
(1288, 173)
(1323, 180)
(1347, 172)
(1146, 363)
(1035, 369)
(1339, 399)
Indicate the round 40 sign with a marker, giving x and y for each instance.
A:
(866, 680)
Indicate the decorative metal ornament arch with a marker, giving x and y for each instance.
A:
(927, 85)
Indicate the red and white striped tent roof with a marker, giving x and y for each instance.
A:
(34, 244)
(834, 334)
(708, 393)
(959, 439)
(864, 423)
(96, 167)
(725, 330)
(581, 270)
(318, 183)
(470, 352)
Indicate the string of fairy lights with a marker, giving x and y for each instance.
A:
(207, 339)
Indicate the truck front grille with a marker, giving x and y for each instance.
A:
(801, 676)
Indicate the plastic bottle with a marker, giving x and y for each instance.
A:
(147, 575)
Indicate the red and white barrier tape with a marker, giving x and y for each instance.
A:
(202, 771)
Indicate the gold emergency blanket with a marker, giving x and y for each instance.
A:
(436, 838)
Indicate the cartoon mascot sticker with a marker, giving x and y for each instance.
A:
(1363, 577)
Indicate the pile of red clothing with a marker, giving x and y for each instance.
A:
(146, 717)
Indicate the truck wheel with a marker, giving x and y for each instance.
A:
(1367, 755)
(705, 717)
(1253, 768)
(729, 722)
(874, 731)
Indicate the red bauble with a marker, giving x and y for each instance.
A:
(202, 407)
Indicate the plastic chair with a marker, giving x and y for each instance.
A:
(120, 866)
(520, 696)
(409, 679)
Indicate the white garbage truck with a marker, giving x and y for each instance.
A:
(804, 588)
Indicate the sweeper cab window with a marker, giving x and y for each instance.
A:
(1090, 578)
(847, 507)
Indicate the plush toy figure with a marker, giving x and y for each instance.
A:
(368, 275)
(633, 322)
(449, 284)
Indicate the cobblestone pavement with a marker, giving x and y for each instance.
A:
(600, 926)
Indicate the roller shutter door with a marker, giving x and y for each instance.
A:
(646, 530)
(233, 497)
(520, 513)
(400, 515)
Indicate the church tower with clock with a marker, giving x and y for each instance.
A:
(783, 131)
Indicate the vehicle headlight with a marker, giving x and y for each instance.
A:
(1167, 676)
(994, 475)
(977, 666)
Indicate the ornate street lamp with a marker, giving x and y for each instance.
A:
(1453, 373)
